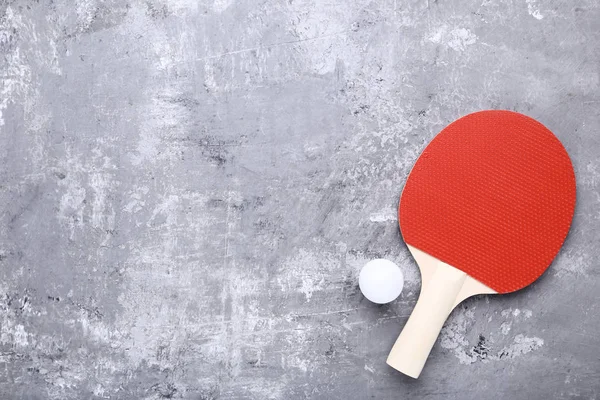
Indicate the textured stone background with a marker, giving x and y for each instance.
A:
(188, 189)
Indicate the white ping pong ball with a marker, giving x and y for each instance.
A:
(381, 281)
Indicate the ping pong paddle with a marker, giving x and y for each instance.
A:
(485, 209)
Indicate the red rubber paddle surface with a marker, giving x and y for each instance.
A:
(493, 195)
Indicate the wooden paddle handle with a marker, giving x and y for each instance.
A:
(436, 301)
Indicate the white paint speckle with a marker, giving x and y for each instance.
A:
(99, 391)
(19, 335)
(574, 261)
(460, 38)
(298, 362)
(383, 216)
(453, 336)
(309, 285)
(521, 345)
(436, 36)
(533, 9)
(457, 39)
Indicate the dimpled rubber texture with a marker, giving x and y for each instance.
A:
(493, 195)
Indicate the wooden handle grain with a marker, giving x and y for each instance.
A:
(437, 299)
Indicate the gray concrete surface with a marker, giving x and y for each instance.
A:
(188, 190)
